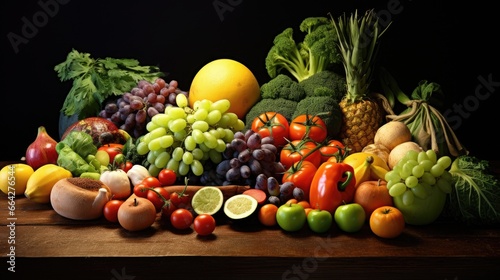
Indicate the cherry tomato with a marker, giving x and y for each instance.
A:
(272, 124)
(204, 224)
(301, 174)
(126, 166)
(298, 149)
(158, 196)
(180, 200)
(181, 218)
(151, 182)
(141, 190)
(308, 127)
(113, 149)
(167, 177)
(110, 210)
(331, 149)
(168, 209)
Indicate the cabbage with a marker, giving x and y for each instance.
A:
(475, 196)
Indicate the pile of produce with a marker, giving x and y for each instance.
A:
(311, 147)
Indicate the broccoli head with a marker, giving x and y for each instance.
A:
(280, 105)
(327, 107)
(325, 83)
(282, 86)
(315, 52)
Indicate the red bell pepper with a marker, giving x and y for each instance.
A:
(333, 184)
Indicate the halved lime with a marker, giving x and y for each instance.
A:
(240, 206)
(207, 200)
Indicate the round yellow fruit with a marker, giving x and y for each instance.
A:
(226, 79)
(13, 178)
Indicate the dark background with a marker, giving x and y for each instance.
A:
(447, 43)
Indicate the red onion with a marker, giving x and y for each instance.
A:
(42, 151)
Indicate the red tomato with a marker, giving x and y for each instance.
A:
(141, 190)
(167, 210)
(126, 166)
(181, 218)
(308, 127)
(113, 149)
(330, 149)
(204, 224)
(272, 124)
(151, 182)
(167, 177)
(110, 210)
(158, 196)
(180, 200)
(298, 149)
(301, 174)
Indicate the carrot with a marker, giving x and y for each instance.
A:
(258, 194)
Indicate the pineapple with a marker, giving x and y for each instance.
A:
(358, 42)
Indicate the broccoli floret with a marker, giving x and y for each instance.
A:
(327, 107)
(325, 83)
(280, 105)
(282, 86)
(317, 51)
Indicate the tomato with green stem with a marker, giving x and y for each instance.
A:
(272, 124)
(333, 149)
(297, 150)
(159, 196)
(308, 126)
(301, 174)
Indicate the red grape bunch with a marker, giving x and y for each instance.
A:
(247, 156)
(134, 109)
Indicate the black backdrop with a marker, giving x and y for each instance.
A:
(447, 43)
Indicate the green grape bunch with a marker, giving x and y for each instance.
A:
(417, 173)
(183, 139)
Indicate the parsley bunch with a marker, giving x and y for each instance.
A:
(94, 80)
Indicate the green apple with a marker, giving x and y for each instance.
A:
(319, 221)
(350, 217)
(291, 216)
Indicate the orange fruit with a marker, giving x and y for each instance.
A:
(267, 214)
(226, 79)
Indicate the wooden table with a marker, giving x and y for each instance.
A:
(52, 247)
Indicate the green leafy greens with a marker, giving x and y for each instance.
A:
(95, 80)
(475, 199)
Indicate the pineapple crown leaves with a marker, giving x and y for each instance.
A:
(358, 44)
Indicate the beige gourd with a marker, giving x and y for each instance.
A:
(79, 198)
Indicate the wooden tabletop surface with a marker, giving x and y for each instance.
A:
(40, 241)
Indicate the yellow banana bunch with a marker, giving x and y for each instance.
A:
(367, 166)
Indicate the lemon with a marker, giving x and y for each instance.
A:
(226, 79)
(13, 177)
(240, 206)
(207, 200)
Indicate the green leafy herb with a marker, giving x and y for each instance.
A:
(95, 80)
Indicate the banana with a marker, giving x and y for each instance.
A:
(377, 172)
(362, 173)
